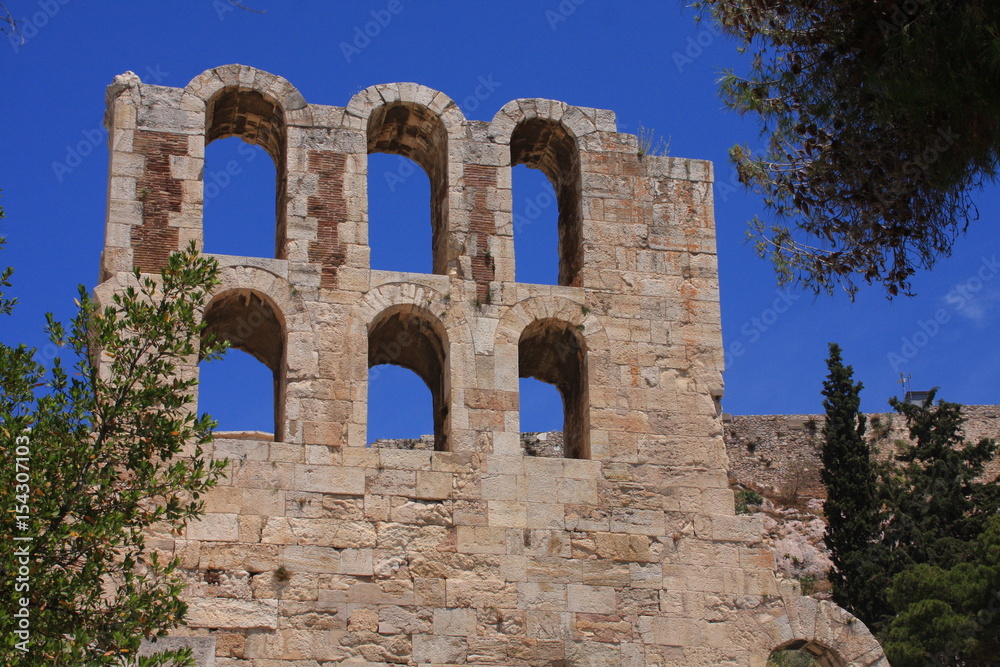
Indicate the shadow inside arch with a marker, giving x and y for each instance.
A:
(804, 653)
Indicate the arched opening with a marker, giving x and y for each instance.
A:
(542, 419)
(801, 653)
(229, 170)
(410, 337)
(400, 408)
(238, 391)
(536, 227)
(251, 324)
(554, 352)
(413, 131)
(398, 191)
(550, 147)
(238, 199)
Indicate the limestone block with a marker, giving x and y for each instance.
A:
(388, 482)
(637, 521)
(398, 620)
(229, 613)
(578, 491)
(434, 485)
(310, 559)
(741, 528)
(551, 516)
(591, 599)
(123, 188)
(455, 622)
(215, 528)
(401, 459)
(542, 596)
(329, 479)
(420, 512)
(130, 165)
(547, 625)
(481, 594)
(505, 513)
(202, 648)
(411, 538)
(628, 548)
(439, 650)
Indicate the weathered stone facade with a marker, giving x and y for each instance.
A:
(319, 550)
(783, 451)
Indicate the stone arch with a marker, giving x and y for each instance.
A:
(423, 125)
(414, 338)
(555, 352)
(392, 294)
(365, 102)
(516, 318)
(823, 655)
(554, 339)
(255, 106)
(410, 325)
(575, 119)
(830, 634)
(544, 135)
(278, 289)
(259, 313)
(276, 89)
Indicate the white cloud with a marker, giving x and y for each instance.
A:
(978, 307)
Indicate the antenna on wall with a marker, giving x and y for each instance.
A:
(904, 379)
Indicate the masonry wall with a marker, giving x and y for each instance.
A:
(784, 452)
(318, 549)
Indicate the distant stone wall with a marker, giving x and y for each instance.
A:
(545, 444)
(783, 451)
(424, 442)
(777, 451)
(549, 445)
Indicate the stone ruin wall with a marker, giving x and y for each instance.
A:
(782, 452)
(318, 550)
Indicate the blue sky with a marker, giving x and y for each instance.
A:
(650, 63)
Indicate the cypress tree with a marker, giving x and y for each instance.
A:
(852, 505)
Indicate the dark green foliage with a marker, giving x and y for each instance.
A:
(938, 508)
(916, 540)
(881, 120)
(746, 499)
(948, 616)
(943, 536)
(852, 506)
(6, 305)
(795, 658)
(113, 451)
(807, 583)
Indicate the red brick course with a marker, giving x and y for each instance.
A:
(160, 194)
(329, 207)
(478, 179)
